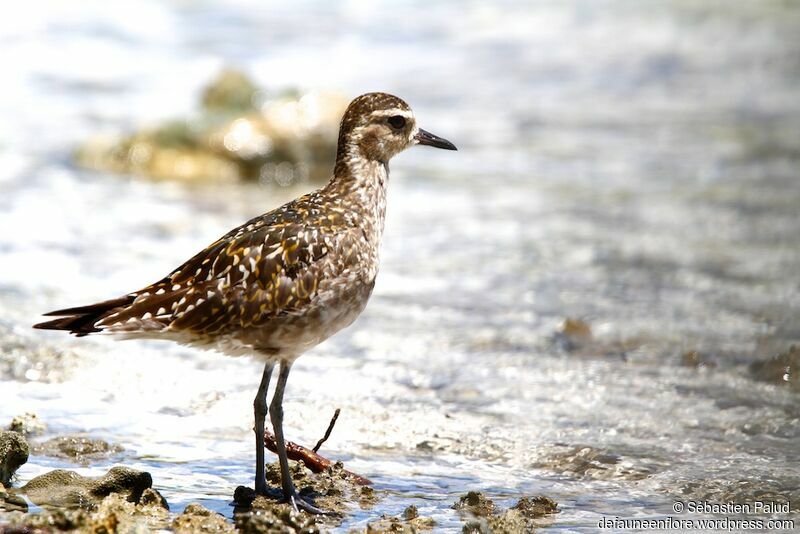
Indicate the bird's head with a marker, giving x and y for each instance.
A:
(378, 126)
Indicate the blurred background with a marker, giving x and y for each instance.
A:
(595, 299)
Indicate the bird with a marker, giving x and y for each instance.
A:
(282, 282)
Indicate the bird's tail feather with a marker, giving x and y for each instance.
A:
(81, 320)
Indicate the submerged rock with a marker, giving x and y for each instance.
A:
(480, 514)
(410, 523)
(783, 369)
(575, 336)
(286, 139)
(696, 359)
(475, 503)
(533, 507)
(69, 489)
(744, 491)
(197, 518)
(13, 453)
(77, 448)
(589, 462)
(27, 424)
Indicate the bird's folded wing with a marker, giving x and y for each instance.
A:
(255, 272)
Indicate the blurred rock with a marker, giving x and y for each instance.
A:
(717, 490)
(77, 448)
(13, 453)
(592, 463)
(286, 140)
(69, 489)
(410, 523)
(367, 496)
(151, 497)
(696, 359)
(27, 424)
(114, 513)
(783, 369)
(231, 92)
(476, 503)
(480, 514)
(575, 336)
(533, 507)
(10, 502)
(196, 518)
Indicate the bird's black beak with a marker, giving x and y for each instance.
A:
(427, 138)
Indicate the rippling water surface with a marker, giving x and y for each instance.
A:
(633, 165)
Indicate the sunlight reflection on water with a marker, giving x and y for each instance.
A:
(631, 164)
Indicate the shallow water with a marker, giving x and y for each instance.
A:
(632, 165)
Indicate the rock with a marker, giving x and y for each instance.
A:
(696, 359)
(528, 514)
(367, 496)
(475, 503)
(756, 488)
(270, 517)
(69, 489)
(196, 518)
(332, 490)
(410, 513)
(783, 369)
(588, 462)
(13, 453)
(53, 520)
(10, 502)
(151, 497)
(286, 140)
(113, 514)
(410, 523)
(77, 448)
(27, 424)
(510, 522)
(575, 336)
(231, 92)
(533, 507)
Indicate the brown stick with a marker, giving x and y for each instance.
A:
(315, 462)
(328, 431)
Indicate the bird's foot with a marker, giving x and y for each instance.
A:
(244, 496)
(302, 503)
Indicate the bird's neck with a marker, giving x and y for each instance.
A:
(359, 183)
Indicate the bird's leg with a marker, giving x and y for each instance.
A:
(260, 411)
(276, 416)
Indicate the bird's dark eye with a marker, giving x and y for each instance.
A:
(397, 122)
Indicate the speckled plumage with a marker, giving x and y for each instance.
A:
(284, 281)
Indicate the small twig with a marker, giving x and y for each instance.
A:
(327, 432)
(315, 462)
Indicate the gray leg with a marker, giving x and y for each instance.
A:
(276, 416)
(260, 411)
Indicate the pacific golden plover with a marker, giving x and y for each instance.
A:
(284, 281)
